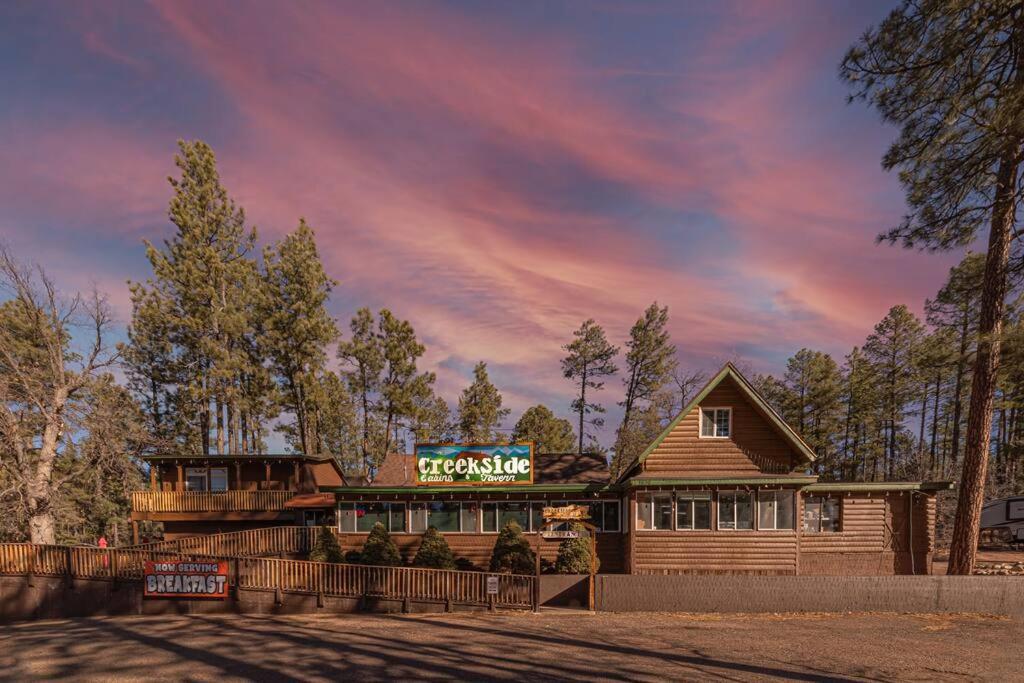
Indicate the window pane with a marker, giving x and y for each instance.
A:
(219, 479)
(644, 509)
(443, 516)
(722, 422)
(368, 514)
(195, 479)
(784, 510)
(684, 513)
(830, 515)
(611, 516)
(469, 514)
(766, 505)
(707, 423)
(490, 517)
(418, 518)
(702, 514)
(663, 511)
(536, 516)
(397, 515)
(727, 511)
(519, 512)
(744, 510)
(346, 517)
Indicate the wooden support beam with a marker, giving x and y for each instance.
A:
(181, 478)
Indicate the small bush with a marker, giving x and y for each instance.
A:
(512, 553)
(434, 552)
(379, 549)
(574, 554)
(326, 548)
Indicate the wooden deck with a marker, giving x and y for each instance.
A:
(209, 501)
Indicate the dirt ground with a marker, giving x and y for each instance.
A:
(516, 646)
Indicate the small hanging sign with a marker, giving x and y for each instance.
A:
(492, 585)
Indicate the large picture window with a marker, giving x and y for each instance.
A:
(735, 510)
(693, 510)
(715, 423)
(821, 514)
(775, 510)
(654, 511)
(448, 517)
(497, 515)
(361, 517)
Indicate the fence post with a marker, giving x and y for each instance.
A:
(237, 579)
(69, 570)
(112, 555)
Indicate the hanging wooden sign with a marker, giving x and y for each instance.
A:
(567, 513)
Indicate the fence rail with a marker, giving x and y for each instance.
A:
(209, 501)
(296, 576)
(246, 543)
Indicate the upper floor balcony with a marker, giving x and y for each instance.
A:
(209, 501)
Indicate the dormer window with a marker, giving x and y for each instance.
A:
(715, 423)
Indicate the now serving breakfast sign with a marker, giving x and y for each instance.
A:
(474, 464)
(186, 580)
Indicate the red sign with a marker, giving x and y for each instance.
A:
(186, 580)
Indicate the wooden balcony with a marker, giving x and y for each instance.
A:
(209, 501)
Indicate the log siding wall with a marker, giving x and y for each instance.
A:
(753, 448)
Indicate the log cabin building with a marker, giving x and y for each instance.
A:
(725, 488)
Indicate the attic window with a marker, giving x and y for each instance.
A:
(715, 423)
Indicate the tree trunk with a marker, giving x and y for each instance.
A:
(958, 399)
(583, 403)
(964, 545)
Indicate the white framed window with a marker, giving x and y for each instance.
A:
(445, 516)
(195, 479)
(693, 510)
(775, 510)
(218, 478)
(654, 511)
(361, 517)
(821, 514)
(715, 423)
(735, 510)
(497, 515)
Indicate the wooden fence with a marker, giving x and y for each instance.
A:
(209, 501)
(286, 576)
(247, 543)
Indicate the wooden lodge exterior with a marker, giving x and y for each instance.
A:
(216, 494)
(724, 489)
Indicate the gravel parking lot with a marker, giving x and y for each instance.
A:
(516, 646)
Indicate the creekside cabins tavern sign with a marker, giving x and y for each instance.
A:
(186, 580)
(474, 464)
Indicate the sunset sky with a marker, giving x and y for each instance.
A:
(494, 172)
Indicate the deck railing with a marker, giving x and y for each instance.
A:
(247, 543)
(209, 501)
(286, 576)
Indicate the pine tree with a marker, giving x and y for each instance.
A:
(550, 434)
(431, 420)
(812, 403)
(859, 398)
(338, 423)
(574, 554)
(326, 547)
(380, 549)
(650, 360)
(892, 349)
(512, 553)
(480, 411)
(298, 328)
(954, 309)
(364, 357)
(402, 387)
(590, 360)
(951, 75)
(434, 552)
(203, 296)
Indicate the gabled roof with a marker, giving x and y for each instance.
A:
(729, 370)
